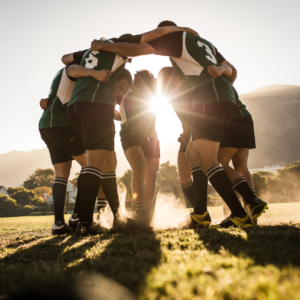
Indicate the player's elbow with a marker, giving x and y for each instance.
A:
(64, 59)
(146, 49)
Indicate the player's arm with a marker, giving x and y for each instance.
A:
(217, 71)
(124, 49)
(44, 103)
(67, 58)
(161, 31)
(76, 71)
(117, 115)
(233, 75)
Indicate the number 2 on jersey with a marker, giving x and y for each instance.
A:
(210, 55)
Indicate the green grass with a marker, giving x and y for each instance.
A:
(260, 263)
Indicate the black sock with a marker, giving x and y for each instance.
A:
(59, 190)
(253, 190)
(101, 203)
(222, 184)
(200, 185)
(77, 207)
(189, 192)
(110, 190)
(240, 185)
(91, 181)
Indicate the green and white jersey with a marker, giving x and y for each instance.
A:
(89, 89)
(137, 117)
(240, 110)
(56, 113)
(191, 55)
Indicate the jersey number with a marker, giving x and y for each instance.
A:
(210, 55)
(91, 60)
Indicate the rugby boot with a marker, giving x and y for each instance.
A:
(73, 222)
(93, 229)
(257, 210)
(233, 221)
(63, 229)
(192, 220)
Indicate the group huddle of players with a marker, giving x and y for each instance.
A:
(78, 123)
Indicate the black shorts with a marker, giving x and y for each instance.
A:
(94, 122)
(150, 146)
(63, 143)
(240, 134)
(184, 140)
(210, 120)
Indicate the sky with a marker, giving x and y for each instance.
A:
(260, 38)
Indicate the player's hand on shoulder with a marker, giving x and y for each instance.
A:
(102, 75)
(189, 30)
(215, 71)
(96, 45)
(44, 103)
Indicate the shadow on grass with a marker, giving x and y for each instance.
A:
(63, 267)
(276, 245)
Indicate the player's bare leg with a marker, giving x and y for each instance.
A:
(137, 161)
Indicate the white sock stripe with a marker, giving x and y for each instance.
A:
(61, 179)
(94, 170)
(195, 169)
(108, 177)
(82, 171)
(101, 201)
(187, 185)
(60, 183)
(95, 174)
(237, 179)
(139, 205)
(235, 185)
(213, 173)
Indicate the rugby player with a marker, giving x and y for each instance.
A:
(193, 180)
(63, 143)
(213, 105)
(91, 112)
(140, 143)
(235, 145)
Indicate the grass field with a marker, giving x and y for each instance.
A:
(260, 263)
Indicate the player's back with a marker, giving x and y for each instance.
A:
(197, 54)
(56, 113)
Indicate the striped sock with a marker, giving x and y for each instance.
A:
(91, 181)
(110, 190)
(189, 192)
(222, 184)
(59, 190)
(101, 203)
(78, 197)
(240, 185)
(200, 186)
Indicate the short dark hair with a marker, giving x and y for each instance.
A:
(165, 75)
(144, 83)
(166, 23)
(126, 75)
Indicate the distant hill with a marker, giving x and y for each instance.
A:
(275, 110)
(15, 166)
(276, 113)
